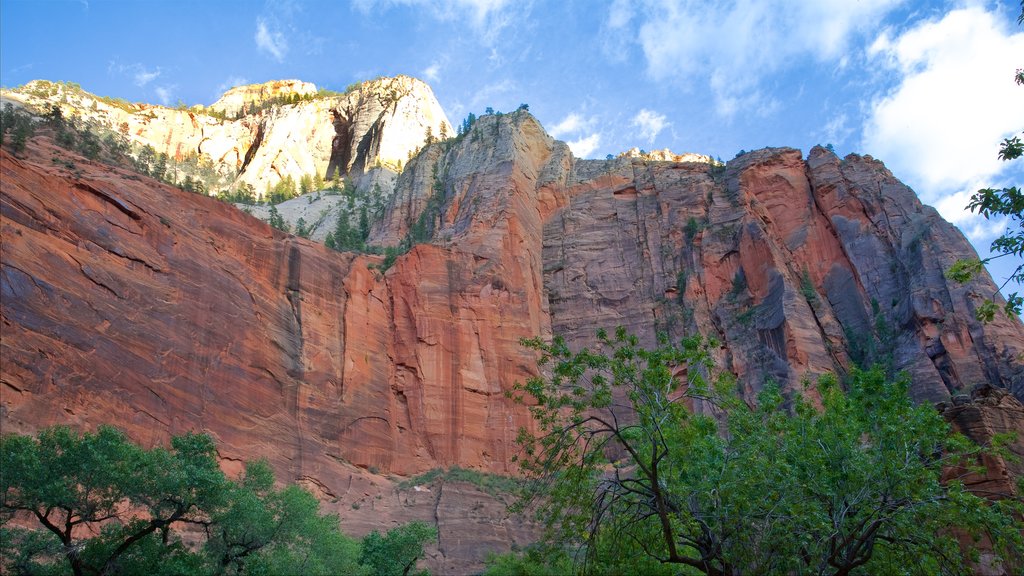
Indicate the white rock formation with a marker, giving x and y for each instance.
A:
(379, 122)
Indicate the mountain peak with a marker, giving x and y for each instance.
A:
(254, 95)
(666, 155)
(259, 135)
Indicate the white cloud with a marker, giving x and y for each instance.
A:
(140, 74)
(649, 123)
(569, 125)
(836, 130)
(143, 77)
(615, 33)
(432, 72)
(734, 46)
(939, 128)
(164, 94)
(270, 41)
(620, 13)
(585, 146)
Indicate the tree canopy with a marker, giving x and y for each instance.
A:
(107, 506)
(850, 482)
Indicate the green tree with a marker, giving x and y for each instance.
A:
(626, 468)
(396, 552)
(20, 126)
(72, 484)
(55, 117)
(301, 228)
(262, 530)
(22, 131)
(107, 506)
(994, 203)
(159, 170)
(145, 159)
(364, 224)
(276, 220)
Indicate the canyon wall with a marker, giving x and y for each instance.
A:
(127, 301)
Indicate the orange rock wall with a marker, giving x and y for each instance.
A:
(126, 301)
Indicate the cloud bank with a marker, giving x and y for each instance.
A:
(954, 101)
(733, 46)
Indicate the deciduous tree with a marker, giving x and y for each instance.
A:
(785, 487)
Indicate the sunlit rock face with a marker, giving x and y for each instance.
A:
(236, 100)
(261, 134)
(130, 302)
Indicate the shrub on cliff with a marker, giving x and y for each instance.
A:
(16, 128)
(854, 485)
(107, 506)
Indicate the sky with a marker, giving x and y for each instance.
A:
(925, 86)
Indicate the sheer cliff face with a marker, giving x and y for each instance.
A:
(380, 122)
(798, 267)
(129, 302)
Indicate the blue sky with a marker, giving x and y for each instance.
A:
(924, 86)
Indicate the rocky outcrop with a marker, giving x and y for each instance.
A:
(128, 301)
(666, 155)
(237, 100)
(984, 415)
(377, 123)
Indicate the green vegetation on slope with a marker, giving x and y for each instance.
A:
(107, 506)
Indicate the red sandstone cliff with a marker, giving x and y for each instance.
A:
(126, 301)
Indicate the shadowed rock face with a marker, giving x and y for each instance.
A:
(129, 302)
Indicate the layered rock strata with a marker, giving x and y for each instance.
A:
(130, 302)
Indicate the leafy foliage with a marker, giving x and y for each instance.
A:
(628, 469)
(109, 506)
(19, 125)
(276, 221)
(395, 553)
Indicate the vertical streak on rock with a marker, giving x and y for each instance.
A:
(437, 517)
(254, 147)
(341, 146)
(368, 146)
(455, 421)
(296, 371)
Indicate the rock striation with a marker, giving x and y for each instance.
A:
(261, 134)
(128, 301)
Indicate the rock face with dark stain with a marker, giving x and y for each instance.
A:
(261, 134)
(126, 301)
